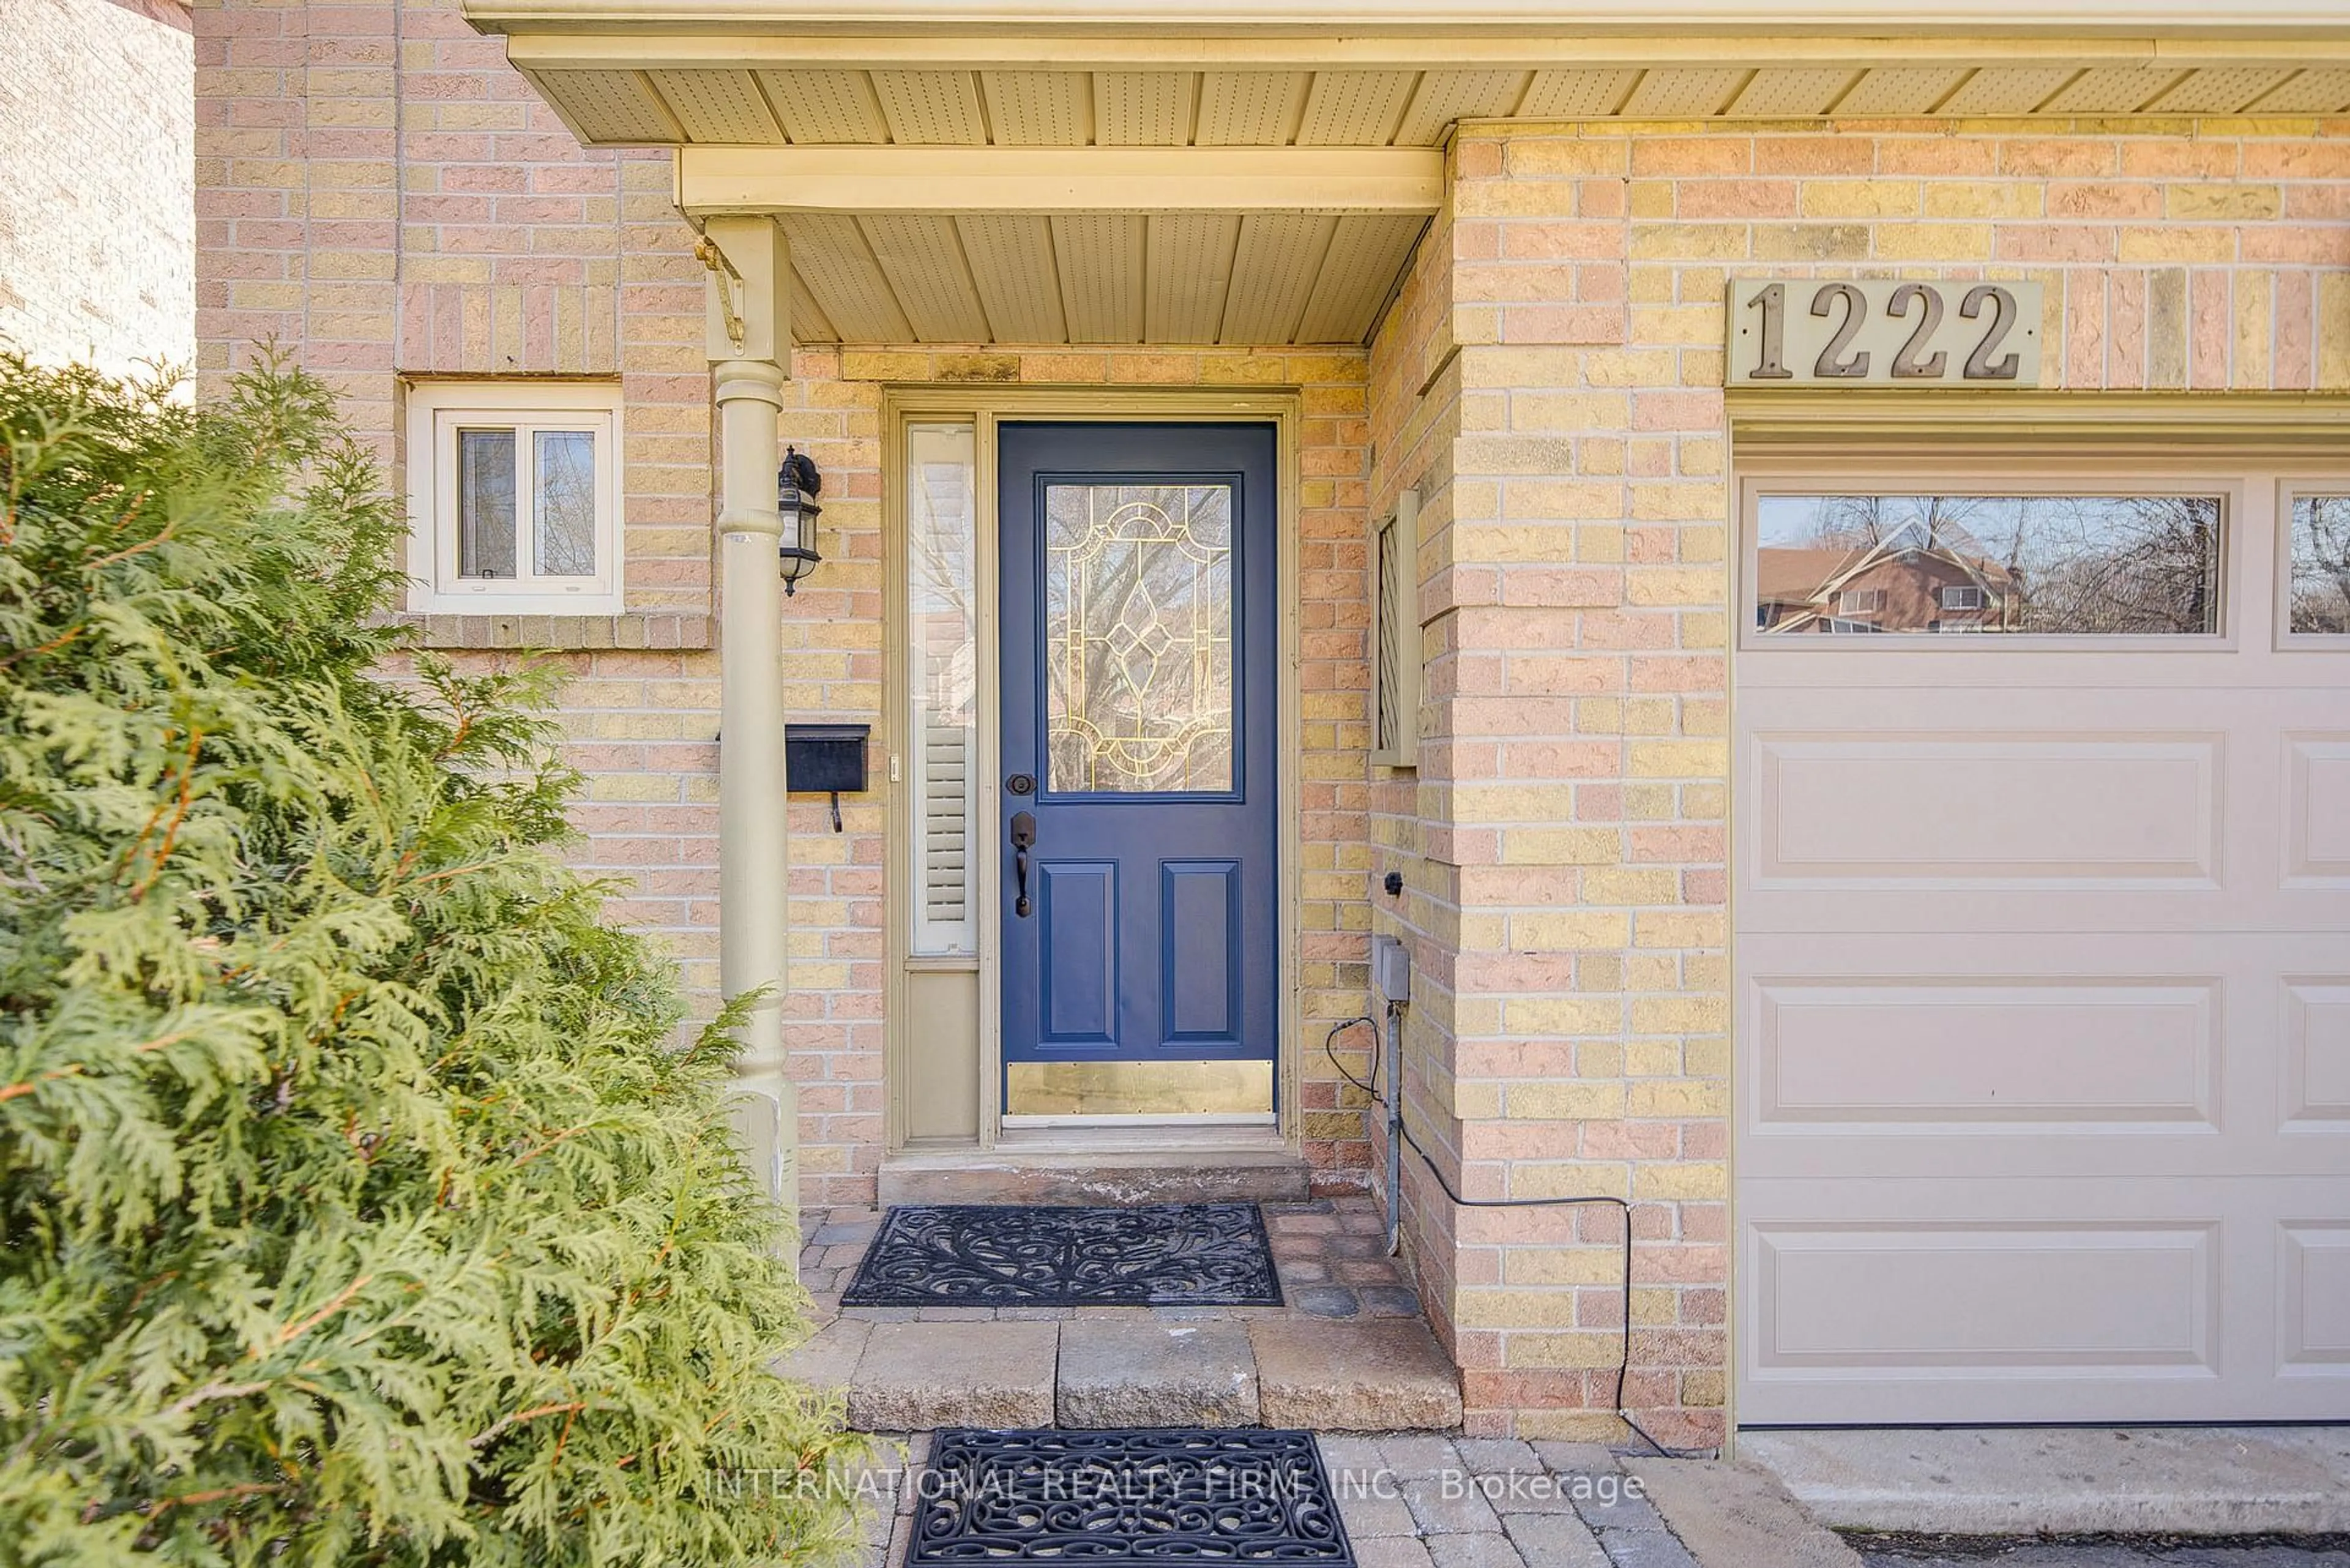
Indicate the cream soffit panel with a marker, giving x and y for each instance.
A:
(1144, 108)
(1274, 267)
(1189, 271)
(1355, 108)
(1578, 94)
(1682, 92)
(1796, 94)
(1100, 260)
(664, 96)
(1252, 108)
(1039, 108)
(1258, 278)
(1011, 265)
(1914, 89)
(2307, 92)
(932, 107)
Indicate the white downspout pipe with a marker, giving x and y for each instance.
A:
(750, 352)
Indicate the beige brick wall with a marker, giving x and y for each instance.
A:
(383, 197)
(1572, 791)
(97, 183)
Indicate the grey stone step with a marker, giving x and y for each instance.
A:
(1160, 1176)
(1377, 1374)
(1277, 1370)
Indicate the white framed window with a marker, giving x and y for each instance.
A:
(1962, 597)
(1395, 636)
(514, 497)
(1860, 601)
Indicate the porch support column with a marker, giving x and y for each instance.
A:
(749, 355)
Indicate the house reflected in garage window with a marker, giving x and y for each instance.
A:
(2318, 597)
(2115, 566)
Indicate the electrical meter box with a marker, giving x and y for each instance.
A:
(1391, 969)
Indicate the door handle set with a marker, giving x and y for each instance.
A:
(1023, 838)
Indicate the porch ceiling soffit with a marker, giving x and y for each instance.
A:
(625, 84)
(1053, 171)
(985, 244)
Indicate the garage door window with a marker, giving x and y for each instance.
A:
(2319, 593)
(2068, 565)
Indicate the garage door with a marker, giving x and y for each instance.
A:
(2043, 899)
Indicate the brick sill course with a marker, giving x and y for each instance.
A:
(628, 630)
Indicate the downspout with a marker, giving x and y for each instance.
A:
(750, 351)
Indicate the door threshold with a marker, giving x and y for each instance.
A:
(1147, 1125)
(1093, 1165)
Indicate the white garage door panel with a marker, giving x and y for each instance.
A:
(2043, 1016)
(2029, 1052)
(2027, 810)
(2215, 1055)
(1991, 1297)
(2314, 1299)
(2162, 1299)
(2317, 1055)
(2317, 810)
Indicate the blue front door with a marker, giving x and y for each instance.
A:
(1140, 937)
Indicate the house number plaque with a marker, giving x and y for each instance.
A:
(1884, 332)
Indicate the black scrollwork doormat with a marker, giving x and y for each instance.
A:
(1158, 1254)
(1126, 1499)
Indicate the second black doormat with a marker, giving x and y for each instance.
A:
(1126, 1499)
(1158, 1254)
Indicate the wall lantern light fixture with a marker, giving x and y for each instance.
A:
(797, 483)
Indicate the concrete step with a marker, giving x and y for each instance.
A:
(1096, 1175)
(1131, 1367)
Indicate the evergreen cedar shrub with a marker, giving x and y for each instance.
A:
(358, 1204)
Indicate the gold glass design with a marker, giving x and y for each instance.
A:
(1138, 1088)
(1138, 638)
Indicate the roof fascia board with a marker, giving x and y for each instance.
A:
(1418, 19)
(623, 49)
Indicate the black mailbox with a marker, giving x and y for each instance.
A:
(824, 759)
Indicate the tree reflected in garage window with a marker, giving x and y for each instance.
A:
(2318, 600)
(2111, 566)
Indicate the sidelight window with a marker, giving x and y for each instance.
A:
(942, 676)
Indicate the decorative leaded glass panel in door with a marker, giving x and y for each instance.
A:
(1137, 638)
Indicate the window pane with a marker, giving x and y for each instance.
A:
(1138, 637)
(2080, 565)
(563, 463)
(940, 486)
(2321, 564)
(485, 503)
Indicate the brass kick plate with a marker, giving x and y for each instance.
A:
(1138, 1088)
